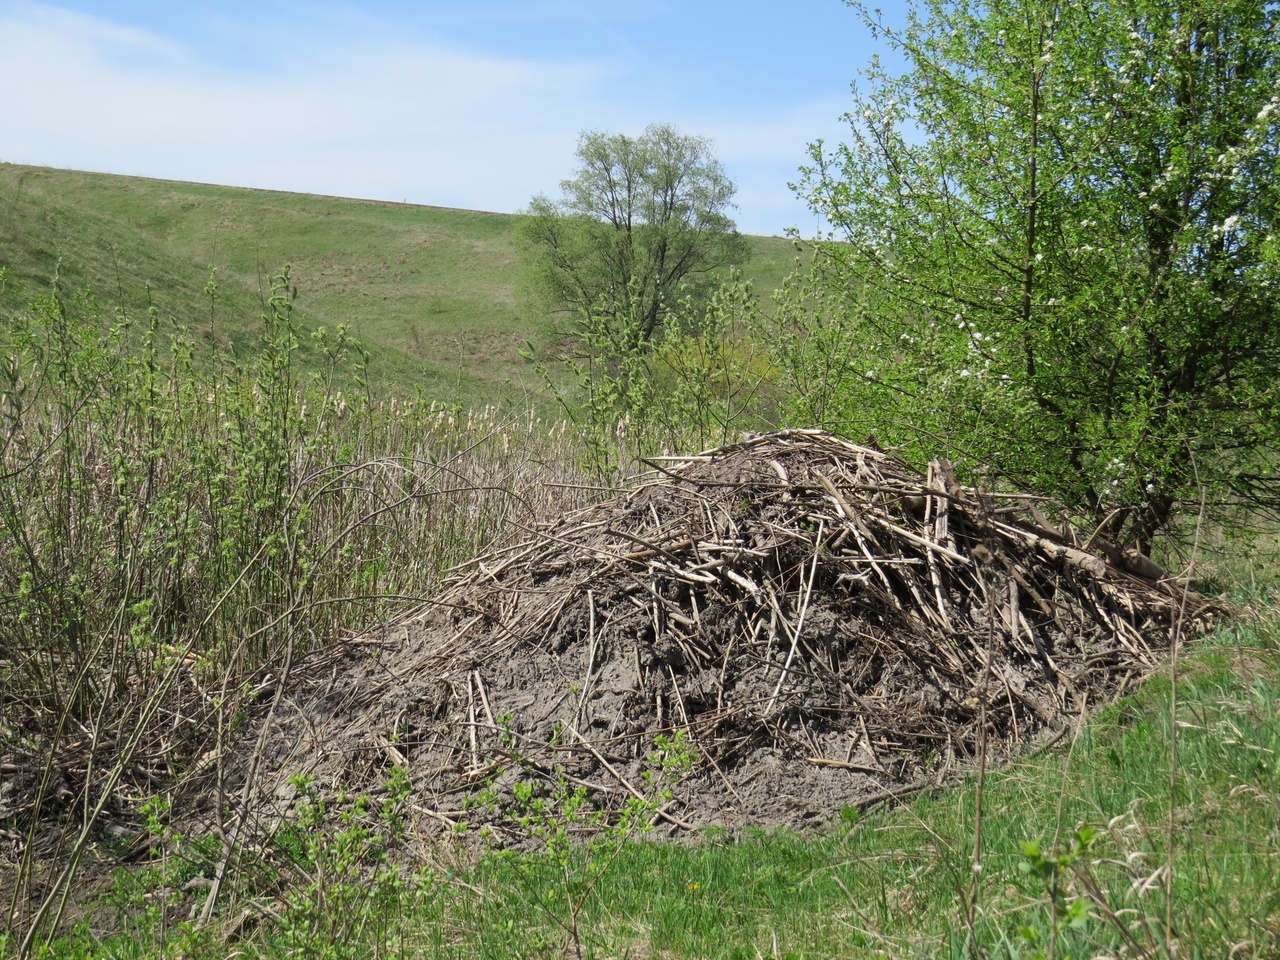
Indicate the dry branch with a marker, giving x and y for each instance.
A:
(814, 613)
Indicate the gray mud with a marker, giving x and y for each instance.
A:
(827, 627)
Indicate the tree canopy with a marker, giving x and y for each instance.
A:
(1053, 248)
(642, 219)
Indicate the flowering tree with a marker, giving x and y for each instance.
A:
(1054, 248)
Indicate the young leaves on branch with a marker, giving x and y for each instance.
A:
(1059, 225)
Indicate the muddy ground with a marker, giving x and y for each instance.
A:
(823, 627)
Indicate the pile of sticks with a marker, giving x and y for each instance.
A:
(792, 593)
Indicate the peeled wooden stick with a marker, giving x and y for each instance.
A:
(795, 634)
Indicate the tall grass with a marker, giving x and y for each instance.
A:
(172, 541)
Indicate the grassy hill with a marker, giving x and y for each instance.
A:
(430, 291)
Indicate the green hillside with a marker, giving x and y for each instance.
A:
(430, 291)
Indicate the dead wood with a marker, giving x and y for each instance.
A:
(813, 613)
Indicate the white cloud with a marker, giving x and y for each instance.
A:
(359, 116)
(91, 95)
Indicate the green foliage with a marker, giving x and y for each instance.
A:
(1050, 870)
(173, 540)
(701, 382)
(713, 377)
(612, 393)
(352, 899)
(815, 336)
(562, 876)
(1054, 249)
(642, 222)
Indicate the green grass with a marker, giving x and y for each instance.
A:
(1182, 864)
(896, 882)
(430, 291)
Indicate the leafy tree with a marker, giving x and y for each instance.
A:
(699, 381)
(641, 219)
(1054, 247)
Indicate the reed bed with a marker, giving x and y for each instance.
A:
(172, 541)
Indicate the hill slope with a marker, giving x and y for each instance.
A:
(430, 291)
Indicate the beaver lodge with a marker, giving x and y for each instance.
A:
(827, 626)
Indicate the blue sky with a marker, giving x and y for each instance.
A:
(464, 103)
